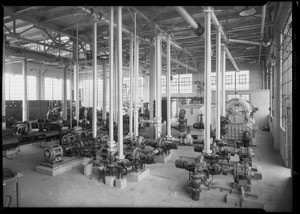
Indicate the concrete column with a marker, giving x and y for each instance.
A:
(111, 143)
(207, 73)
(158, 51)
(218, 86)
(94, 125)
(65, 103)
(168, 80)
(120, 94)
(25, 91)
(136, 81)
(3, 85)
(223, 89)
(131, 88)
(263, 78)
(104, 90)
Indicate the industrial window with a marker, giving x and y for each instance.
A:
(185, 83)
(68, 89)
(285, 70)
(31, 84)
(233, 80)
(86, 87)
(179, 84)
(242, 79)
(272, 91)
(242, 96)
(53, 88)
(163, 84)
(13, 87)
(174, 84)
(126, 87)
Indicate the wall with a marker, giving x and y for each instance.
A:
(280, 136)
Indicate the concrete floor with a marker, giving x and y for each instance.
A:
(164, 187)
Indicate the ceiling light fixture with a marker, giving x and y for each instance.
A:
(247, 11)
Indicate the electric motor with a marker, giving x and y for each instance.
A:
(242, 175)
(53, 153)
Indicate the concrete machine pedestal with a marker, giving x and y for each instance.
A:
(163, 159)
(67, 164)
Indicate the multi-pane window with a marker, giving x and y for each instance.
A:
(13, 87)
(285, 70)
(185, 83)
(242, 96)
(53, 88)
(233, 80)
(163, 84)
(179, 84)
(31, 84)
(126, 87)
(86, 87)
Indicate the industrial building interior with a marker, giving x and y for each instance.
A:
(148, 106)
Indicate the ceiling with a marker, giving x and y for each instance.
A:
(52, 31)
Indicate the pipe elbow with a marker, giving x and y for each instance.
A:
(199, 31)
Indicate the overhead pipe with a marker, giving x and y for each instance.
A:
(95, 80)
(197, 27)
(111, 143)
(71, 97)
(64, 84)
(207, 74)
(231, 59)
(136, 80)
(169, 134)
(120, 93)
(262, 29)
(128, 31)
(76, 79)
(180, 63)
(89, 11)
(218, 74)
(244, 42)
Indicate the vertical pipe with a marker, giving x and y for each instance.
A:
(76, 81)
(158, 60)
(104, 90)
(136, 80)
(65, 103)
(25, 101)
(223, 65)
(120, 95)
(169, 135)
(94, 80)
(116, 82)
(207, 73)
(218, 68)
(71, 97)
(3, 85)
(152, 82)
(111, 78)
(131, 87)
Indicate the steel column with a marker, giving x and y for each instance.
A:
(104, 108)
(111, 143)
(94, 116)
(3, 85)
(218, 87)
(25, 92)
(136, 81)
(120, 68)
(71, 97)
(131, 87)
(158, 60)
(207, 73)
(116, 82)
(169, 134)
(223, 68)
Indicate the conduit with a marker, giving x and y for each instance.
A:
(131, 87)
(25, 92)
(218, 91)
(158, 86)
(136, 80)
(169, 135)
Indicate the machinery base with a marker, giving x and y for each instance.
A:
(110, 180)
(137, 176)
(163, 159)
(61, 167)
(121, 183)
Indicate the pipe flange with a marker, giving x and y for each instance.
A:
(199, 31)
